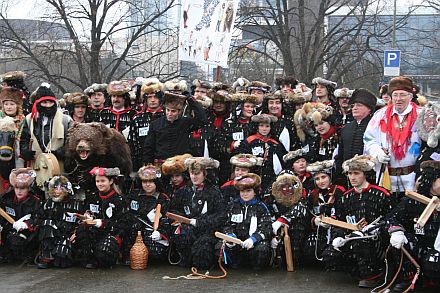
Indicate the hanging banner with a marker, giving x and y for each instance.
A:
(206, 29)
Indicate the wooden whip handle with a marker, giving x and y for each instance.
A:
(288, 250)
(178, 218)
(6, 216)
(157, 217)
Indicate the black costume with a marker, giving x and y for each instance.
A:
(119, 120)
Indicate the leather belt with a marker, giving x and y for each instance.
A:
(402, 170)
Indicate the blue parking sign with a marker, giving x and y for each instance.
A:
(391, 62)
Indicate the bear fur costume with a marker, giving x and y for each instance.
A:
(91, 145)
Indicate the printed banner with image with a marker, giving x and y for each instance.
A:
(206, 29)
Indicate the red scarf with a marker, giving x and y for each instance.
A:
(219, 119)
(398, 134)
(34, 106)
(330, 132)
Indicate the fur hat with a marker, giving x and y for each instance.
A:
(12, 76)
(22, 177)
(77, 98)
(244, 98)
(244, 160)
(277, 95)
(11, 94)
(404, 83)
(219, 86)
(430, 164)
(198, 164)
(63, 183)
(240, 85)
(43, 90)
(7, 124)
(295, 155)
(300, 94)
(325, 82)
(421, 100)
(202, 84)
(108, 172)
(96, 87)
(174, 101)
(204, 101)
(287, 189)
(248, 181)
(151, 86)
(311, 113)
(365, 97)
(264, 118)
(321, 167)
(118, 88)
(218, 96)
(258, 85)
(149, 172)
(428, 126)
(363, 163)
(176, 85)
(286, 80)
(343, 93)
(383, 89)
(175, 165)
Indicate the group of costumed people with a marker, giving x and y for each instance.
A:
(347, 175)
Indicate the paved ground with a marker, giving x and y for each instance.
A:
(14, 278)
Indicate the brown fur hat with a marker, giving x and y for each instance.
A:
(343, 93)
(96, 87)
(311, 113)
(287, 189)
(118, 88)
(383, 89)
(151, 86)
(294, 155)
(22, 177)
(218, 96)
(430, 164)
(363, 163)
(248, 181)
(202, 84)
(258, 85)
(244, 98)
(325, 82)
(7, 124)
(198, 164)
(108, 172)
(286, 80)
(12, 75)
(12, 94)
(204, 101)
(240, 85)
(174, 101)
(404, 83)
(428, 126)
(300, 94)
(176, 85)
(277, 95)
(65, 185)
(77, 98)
(264, 118)
(175, 165)
(321, 167)
(244, 160)
(149, 172)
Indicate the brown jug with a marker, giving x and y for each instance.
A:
(138, 254)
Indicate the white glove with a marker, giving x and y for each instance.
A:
(18, 225)
(236, 144)
(274, 243)
(193, 222)
(98, 223)
(276, 226)
(338, 242)
(155, 236)
(369, 226)
(248, 243)
(318, 222)
(398, 239)
(382, 157)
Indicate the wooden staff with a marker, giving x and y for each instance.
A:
(342, 224)
(157, 217)
(6, 216)
(431, 205)
(228, 238)
(178, 218)
(288, 250)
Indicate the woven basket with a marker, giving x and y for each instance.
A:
(138, 254)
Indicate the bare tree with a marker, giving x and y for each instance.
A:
(86, 41)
